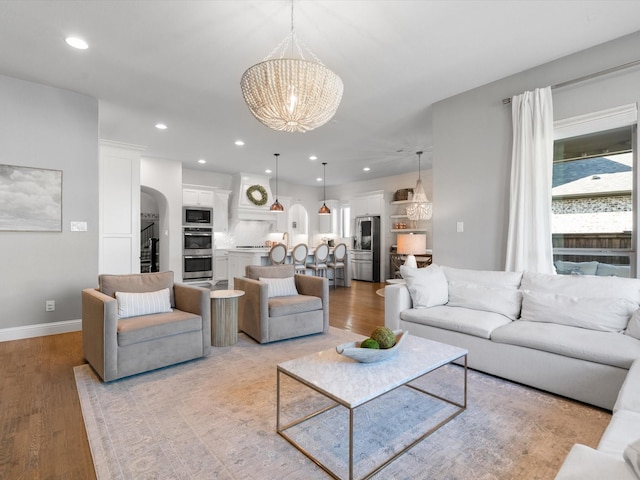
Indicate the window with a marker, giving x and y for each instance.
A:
(593, 202)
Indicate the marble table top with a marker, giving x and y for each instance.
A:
(226, 293)
(351, 383)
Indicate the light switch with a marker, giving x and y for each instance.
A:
(460, 227)
(78, 226)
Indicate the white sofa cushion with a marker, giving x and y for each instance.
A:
(427, 286)
(585, 463)
(623, 429)
(632, 456)
(490, 291)
(136, 304)
(457, 319)
(606, 348)
(629, 395)
(582, 286)
(484, 277)
(505, 301)
(603, 314)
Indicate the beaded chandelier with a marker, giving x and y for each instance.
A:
(291, 94)
(420, 208)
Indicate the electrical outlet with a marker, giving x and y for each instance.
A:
(50, 306)
(460, 227)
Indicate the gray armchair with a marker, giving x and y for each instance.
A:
(118, 347)
(269, 319)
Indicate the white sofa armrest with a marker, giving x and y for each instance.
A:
(396, 300)
(629, 396)
(585, 463)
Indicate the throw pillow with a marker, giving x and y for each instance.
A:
(602, 314)
(135, 304)
(633, 327)
(427, 286)
(576, 268)
(506, 301)
(632, 456)
(280, 287)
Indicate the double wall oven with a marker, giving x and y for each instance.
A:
(197, 263)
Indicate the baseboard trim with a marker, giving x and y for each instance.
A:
(39, 330)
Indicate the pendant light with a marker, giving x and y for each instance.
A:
(277, 206)
(420, 208)
(324, 210)
(291, 94)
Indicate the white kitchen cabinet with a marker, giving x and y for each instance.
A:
(368, 204)
(198, 198)
(221, 269)
(221, 211)
(329, 223)
(282, 218)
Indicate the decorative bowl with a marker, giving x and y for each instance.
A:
(370, 355)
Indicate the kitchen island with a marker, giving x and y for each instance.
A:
(239, 258)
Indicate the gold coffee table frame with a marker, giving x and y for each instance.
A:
(337, 401)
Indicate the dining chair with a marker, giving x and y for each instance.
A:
(299, 258)
(319, 265)
(278, 254)
(338, 263)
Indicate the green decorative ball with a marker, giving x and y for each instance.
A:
(370, 343)
(384, 336)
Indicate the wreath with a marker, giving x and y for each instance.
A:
(263, 195)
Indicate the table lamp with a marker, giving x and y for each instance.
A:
(411, 244)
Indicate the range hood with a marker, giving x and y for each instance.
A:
(241, 206)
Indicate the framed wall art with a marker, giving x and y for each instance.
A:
(30, 199)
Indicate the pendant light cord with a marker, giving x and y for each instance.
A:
(324, 182)
(419, 155)
(277, 155)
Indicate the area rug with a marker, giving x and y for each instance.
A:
(215, 418)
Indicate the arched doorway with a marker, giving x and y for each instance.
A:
(153, 221)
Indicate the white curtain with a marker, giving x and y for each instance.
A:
(529, 240)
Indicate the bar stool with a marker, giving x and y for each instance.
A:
(299, 258)
(319, 265)
(278, 254)
(339, 254)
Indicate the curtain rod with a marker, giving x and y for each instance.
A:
(584, 78)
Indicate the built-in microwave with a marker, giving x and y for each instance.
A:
(197, 216)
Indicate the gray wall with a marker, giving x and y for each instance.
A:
(472, 147)
(45, 127)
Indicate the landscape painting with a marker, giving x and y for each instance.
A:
(30, 199)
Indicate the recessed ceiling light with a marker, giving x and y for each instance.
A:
(239, 143)
(366, 169)
(202, 160)
(161, 126)
(313, 157)
(267, 171)
(77, 42)
(319, 179)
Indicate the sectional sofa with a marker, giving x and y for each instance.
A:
(618, 453)
(573, 335)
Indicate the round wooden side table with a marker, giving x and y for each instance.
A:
(224, 317)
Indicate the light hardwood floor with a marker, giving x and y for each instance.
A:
(42, 434)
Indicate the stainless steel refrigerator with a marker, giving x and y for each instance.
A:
(365, 256)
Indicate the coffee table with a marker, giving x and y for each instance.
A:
(351, 384)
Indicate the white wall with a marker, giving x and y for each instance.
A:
(472, 147)
(45, 127)
(165, 178)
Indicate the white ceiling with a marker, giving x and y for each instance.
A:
(180, 62)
